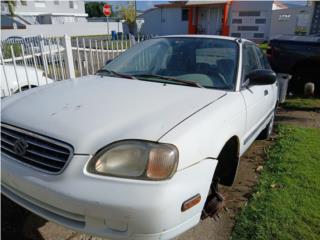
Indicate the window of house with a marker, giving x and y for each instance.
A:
(23, 2)
(258, 35)
(162, 18)
(71, 4)
(249, 13)
(248, 28)
(237, 20)
(261, 21)
(40, 3)
(236, 34)
(184, 14)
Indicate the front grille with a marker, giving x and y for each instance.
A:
(37, 151)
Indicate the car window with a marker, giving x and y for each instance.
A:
(262, 58)
(150, 57)
(250, 62)
(209, 62)
(212, 56)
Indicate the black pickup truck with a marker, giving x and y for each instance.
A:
(298, 56)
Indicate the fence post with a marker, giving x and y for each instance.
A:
(68, 58)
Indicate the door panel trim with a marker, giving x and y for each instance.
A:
(254, 131)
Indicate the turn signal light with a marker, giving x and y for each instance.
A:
(162, 163)
(191, 202)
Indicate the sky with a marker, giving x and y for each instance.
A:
(146, 4)
(142, 5)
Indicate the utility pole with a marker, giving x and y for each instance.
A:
(135, 14)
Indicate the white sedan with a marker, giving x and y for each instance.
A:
(138, 151)
(19, 78)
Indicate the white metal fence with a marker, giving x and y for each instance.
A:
(35, 61)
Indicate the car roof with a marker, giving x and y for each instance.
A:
(206, 36)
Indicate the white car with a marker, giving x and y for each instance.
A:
(137, 151)
(14, 79)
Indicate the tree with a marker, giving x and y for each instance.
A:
(128, 13)
(12, 6)
(95, 9)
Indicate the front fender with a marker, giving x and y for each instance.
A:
(204, 134)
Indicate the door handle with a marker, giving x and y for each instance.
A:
(266, 92)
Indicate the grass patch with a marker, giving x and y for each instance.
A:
(263, 46)
(286, 204)
(302, 103)
(6, 50)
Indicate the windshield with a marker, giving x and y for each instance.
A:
(208, 62)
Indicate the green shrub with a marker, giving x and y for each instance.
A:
(6, 50)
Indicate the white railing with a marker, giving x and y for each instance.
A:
(31, 62)
(90, 54)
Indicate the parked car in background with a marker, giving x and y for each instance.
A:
(15, 39)
(300, 57)
(12, 80)
(39, 44)
(25, 42)
(138, 150)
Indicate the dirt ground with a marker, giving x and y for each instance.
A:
(301, 118)
(18, 223)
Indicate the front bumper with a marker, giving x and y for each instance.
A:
(109, 207)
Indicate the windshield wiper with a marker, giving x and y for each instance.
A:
(116, 73)
(173, 79)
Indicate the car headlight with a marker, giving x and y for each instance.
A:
(136, 159)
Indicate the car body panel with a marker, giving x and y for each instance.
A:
(94, 111)
(206, 138)
(106, 209)
(122, 105)
(26, 76)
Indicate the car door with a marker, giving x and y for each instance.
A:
(272, 92)
(256, 97)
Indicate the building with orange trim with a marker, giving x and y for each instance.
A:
(246, 19)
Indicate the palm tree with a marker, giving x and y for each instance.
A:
(11, 6)
(129, 15)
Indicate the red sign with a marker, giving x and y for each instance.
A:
(107, 10)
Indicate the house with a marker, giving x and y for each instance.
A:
(52, 18)
(246, 19)
(184, 17)
(298, 20)
(44, 12)
(252, 20)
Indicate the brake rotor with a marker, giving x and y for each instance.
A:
(214, 204)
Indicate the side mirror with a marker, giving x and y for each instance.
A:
(261, 77)
(108, 61)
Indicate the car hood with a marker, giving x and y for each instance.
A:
(93, 111)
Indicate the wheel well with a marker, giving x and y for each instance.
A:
(26, 87)
(228, 160)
